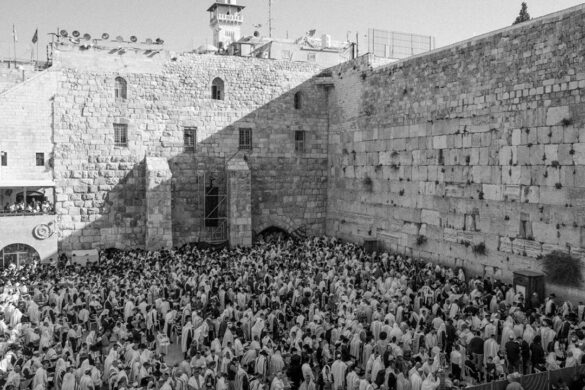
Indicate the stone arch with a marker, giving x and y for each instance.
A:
(19, 254)
(218, 89)
(276, 222)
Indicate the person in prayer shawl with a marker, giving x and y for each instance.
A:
(40, 377)
(186, 337)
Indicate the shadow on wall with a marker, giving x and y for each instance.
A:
(288, 178)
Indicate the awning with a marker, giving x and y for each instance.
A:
(26, 183)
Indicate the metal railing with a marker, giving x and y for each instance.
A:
(24, 213)
(539, 381)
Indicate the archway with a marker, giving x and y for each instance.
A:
(18, 254)
(273, 232)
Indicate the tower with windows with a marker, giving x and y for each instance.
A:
(225, 20)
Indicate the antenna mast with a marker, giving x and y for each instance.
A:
(270, 18)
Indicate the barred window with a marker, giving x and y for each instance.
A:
(299, 141)
(40, 159)
(120, 134)
(4, 158)
(120, 90)
(189, 138)
(245, 139)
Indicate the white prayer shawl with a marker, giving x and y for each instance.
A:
(338, 369)
(33, 312)
(490, 349)
(188, 328)
(228, 337)
(68, 382)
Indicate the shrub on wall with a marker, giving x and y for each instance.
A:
(368, 184)
(563, 269)
(479, 249)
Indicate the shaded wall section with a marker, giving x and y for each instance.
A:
(477, 143)
(239, 203)
(159, 217)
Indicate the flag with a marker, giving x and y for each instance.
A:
(36, 36)
(14, 37)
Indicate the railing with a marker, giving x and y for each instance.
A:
(540, 381)
(24, 213)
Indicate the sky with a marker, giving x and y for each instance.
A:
(184, 24)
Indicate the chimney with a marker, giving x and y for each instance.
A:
(325, 41)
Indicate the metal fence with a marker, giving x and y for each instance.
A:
(540, 381)
(396, 45)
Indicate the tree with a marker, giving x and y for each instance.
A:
(524, 16)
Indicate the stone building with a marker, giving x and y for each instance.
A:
(471, 155)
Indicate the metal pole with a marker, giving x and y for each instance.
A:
(357, 44)
(270, 18)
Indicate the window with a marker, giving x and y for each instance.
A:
(298, 100)
(120, 90)
(4, 158)
(245, 139)
(40, 159)
(189, 138)
(311, 57)
(120, 134)
(217, 89)
(299, 141)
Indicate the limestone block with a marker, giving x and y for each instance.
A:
(440, 142)
(555, 115)
(530, 194)
(431, 217)
(492, 192)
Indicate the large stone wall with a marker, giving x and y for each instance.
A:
(479, 142)
(26, 128)
(101, 187)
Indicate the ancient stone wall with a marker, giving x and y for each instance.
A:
(159, 215)
(239, 198)
(26, 128)
(102, 185)
(476, 145)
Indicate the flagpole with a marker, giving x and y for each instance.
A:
(14, 43)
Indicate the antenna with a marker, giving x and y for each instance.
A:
(270, 18)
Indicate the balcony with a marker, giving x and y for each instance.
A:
(226, 18)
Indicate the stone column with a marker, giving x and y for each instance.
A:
(239, 202)
(159, 220)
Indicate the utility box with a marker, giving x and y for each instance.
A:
(528, 282)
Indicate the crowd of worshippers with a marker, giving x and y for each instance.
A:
(34, 207)
(312, 315)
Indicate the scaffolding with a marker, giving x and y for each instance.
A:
(212, 188)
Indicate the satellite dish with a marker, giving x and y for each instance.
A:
(105, 36)
(64, 33)
(75, 33)
(256, 34)
(148, 41)
(119, 38)
(87, 37)
(133, 38)
(159, 41)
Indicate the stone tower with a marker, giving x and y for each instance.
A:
(225, 19)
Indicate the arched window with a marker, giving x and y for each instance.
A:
(298, 100)
(120, 89)
(217, 91)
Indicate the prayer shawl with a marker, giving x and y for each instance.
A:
(338, 369)
(33, 312)
(85, 383)
(40, 378)
(186, 337)
(68, 382)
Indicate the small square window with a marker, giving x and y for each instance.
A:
(4, 158)
(299, 141)
(120, 134)
(189, 138)
(245, 139)
(40, 159)
(311, 57)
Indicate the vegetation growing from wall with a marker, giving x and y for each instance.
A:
(563, 269)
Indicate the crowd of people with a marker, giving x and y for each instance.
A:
(34, 207)
(312, 315)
